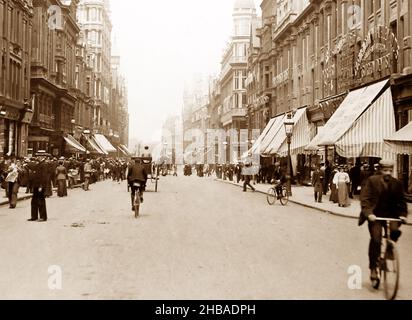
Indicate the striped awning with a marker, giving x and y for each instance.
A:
(279, 139)
(401, 141)
(93, 146)
(72, 143)
(303, 133)
(125, 150)
(366, 136)
(104, 144)
(256, 148)
(354, 105)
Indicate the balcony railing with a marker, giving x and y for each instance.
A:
(237, 60)
(237, 112)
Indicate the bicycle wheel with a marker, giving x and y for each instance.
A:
(271, 196)
(391, 272)
(284, 199)
(136, 204)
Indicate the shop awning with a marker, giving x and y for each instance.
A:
(302, 134)
(72, 143)
(104, 143)
(401, 141)
(93, 146)
(124, 150)
(354, 105)
(366, 136)
(359, 126)
(265, 139)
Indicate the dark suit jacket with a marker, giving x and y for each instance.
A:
(384, 202)
(38, 175)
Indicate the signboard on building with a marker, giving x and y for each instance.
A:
(378, 56)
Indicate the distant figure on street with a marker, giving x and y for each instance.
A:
(341, 181)
(247, 174)
(61, 176)
(317, 183)
(39, 183)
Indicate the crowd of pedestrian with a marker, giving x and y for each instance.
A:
(344, 182)
(42, 175)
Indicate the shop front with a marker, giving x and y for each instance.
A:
(14, 131)
(356, 131)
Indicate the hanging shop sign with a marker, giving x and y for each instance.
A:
(9, 113)
(378, 56)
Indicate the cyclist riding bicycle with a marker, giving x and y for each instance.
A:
(279, 178)
(382, 197)
(137, 173)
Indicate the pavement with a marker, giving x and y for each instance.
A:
(304, 196)
(195, 239)
(22, 195)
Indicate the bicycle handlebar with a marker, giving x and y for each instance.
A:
(389, 219)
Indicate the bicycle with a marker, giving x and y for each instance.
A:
(388, 263)
(273, 194)
(138, 195)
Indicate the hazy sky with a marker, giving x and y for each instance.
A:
(162, 43)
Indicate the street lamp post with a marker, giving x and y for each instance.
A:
(289, 124)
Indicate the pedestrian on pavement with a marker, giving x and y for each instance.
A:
(12, 184)
(410, 183)
(87, 175)
(317, 183)
(50, 174)
(354, 175)
(383, 197)
(247, 174)
(61, 176)
(341, 181)
(328, 173)
(39, 183)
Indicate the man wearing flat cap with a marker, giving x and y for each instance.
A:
(382, 197)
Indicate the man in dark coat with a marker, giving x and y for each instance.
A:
(382, 197)
(317, 183)
(354, 175)
(137, 172)
(38, 181)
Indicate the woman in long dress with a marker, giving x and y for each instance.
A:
(334, 192)
(61, 176)
(341, 181)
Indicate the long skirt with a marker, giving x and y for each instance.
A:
(13, 190)
(334, 194)
(343, 194)
(61, 188)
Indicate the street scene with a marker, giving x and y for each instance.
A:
(220, 243)
(228, 149)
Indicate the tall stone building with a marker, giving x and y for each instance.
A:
(54, 43)
(234, 70)
(94, 18)
(15, 55)
(321, 50)
(119, 117)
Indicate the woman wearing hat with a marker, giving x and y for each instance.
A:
(61, 177)
(341, 181)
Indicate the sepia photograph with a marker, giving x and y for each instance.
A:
(222, 150)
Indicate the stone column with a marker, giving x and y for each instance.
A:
(407, 40)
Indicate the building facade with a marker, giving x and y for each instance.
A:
(322, 49)
(234, 72)
(94, 18)
(15, 99)
(53, 86)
